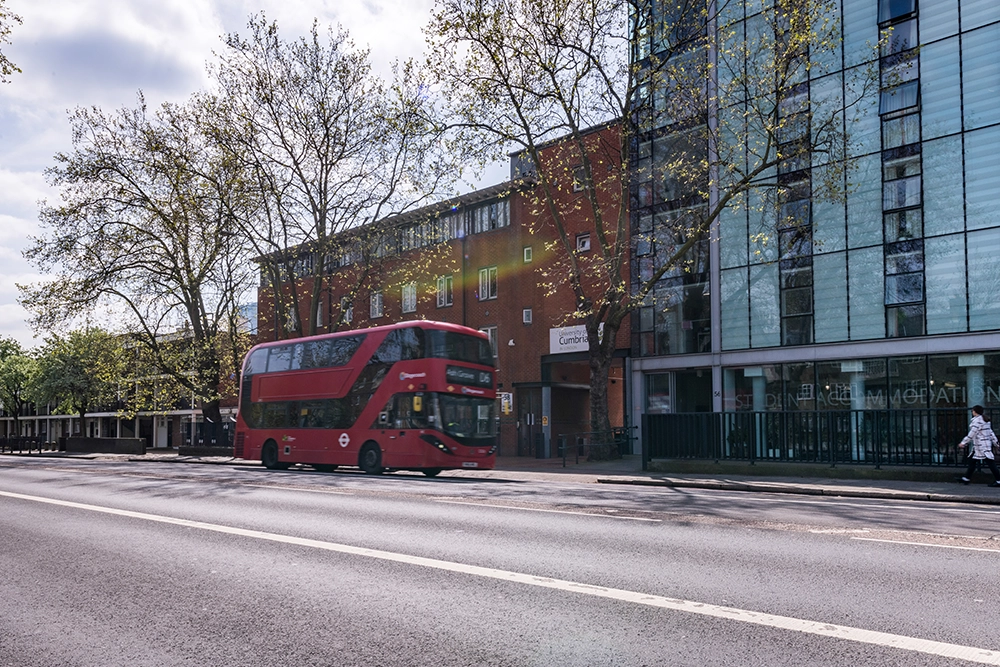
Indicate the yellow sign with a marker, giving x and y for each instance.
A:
(506, 402)
(545, 420)
(418, 403)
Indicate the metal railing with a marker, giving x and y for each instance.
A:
(912, 437)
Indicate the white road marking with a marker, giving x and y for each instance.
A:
(901, 503)
(860, 635)
(535, 509)
(925, 544)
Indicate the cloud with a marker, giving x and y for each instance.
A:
(76, 65)
(101, 52)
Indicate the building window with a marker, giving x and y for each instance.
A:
(890, 10)
(444, 291)
(898, 98)
(488, 283)
(901, 131)
(376, 305)
(492, 333)
(410, 297)
(902, 38)
(527, 254)
(526, 315)
(583, 243)
(346, 310)
(579, 178)
(490, 216)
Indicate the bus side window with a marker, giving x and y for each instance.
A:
(388, 351)
(257, 363)
(411, 343)
(279, 358)
(344, 349)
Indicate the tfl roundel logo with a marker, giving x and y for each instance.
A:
(344, 440)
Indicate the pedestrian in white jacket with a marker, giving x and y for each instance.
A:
(982, 438)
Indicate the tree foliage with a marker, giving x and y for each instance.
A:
(80, 371)
(716, 94)
(7, 20)
(17, 373)
(145, 231)
(325, 146)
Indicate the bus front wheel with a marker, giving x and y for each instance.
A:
(431, 472)
(370, 459)
(269, 455)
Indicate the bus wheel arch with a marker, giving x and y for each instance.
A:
(269, 455)
(370, 458)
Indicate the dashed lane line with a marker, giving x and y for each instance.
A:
(925, 544)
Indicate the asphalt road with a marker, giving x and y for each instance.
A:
(164, 564)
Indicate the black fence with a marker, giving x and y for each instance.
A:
(867, 437)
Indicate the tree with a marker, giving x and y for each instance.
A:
(145, 231)
(9, 347)
(17, 371)
(80, 371)
(7, 19)
(327, 146)
(722, 103)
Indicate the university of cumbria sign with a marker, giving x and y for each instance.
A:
(570, 339)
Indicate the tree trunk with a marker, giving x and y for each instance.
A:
(601, 355)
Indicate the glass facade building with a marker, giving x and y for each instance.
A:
(885, 297)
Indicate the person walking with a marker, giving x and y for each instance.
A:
(982, 438)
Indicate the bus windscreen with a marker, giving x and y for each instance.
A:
(459, 347)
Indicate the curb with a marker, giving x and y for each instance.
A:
(807, 491)
(194, 459)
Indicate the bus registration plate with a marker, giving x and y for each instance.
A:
(469, 464)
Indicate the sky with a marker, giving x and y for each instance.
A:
(83, 53)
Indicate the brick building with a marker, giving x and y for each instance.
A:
(489, 260)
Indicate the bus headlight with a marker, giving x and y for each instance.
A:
(434, 442)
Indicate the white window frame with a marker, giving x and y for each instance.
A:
(583, 243)
(346, 310)
(527, 254)
(409, 297)
(376, 304)
(526, 315)
(488, 284)
(445, 291)
(494, 336)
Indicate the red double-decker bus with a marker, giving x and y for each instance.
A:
(411, 396)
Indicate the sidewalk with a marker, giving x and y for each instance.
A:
(628, 471)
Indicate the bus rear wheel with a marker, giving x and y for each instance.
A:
(370, 459)
(431, 472)
(269, 455)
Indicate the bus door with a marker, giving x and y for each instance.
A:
(401, 423)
